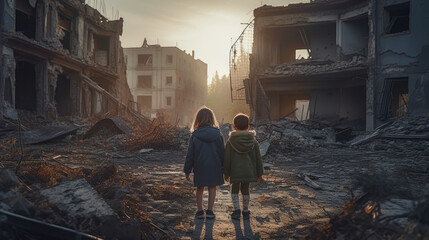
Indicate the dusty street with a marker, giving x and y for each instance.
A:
(303, 187)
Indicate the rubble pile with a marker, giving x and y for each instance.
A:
(308, 67)
(159, 134)
(388, 209)
(291, 136)
(408, 134)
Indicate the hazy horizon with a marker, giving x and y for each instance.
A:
(207, 27)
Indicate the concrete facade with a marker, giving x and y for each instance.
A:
(367, 61)
(60, 58)
(168, 80)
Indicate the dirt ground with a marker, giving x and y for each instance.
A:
(151, 186)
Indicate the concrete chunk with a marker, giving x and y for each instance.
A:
(77, 198)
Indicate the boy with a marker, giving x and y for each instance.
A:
(242, 164)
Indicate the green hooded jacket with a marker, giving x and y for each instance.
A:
(242, 157)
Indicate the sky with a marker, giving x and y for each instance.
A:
(209, 27)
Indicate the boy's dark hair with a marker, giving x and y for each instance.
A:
(241, 121)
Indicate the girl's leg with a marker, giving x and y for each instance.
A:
(212, 197)
(200, 191)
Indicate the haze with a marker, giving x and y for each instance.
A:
(208, 27)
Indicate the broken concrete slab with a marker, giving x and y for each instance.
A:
(49, 133)
(365, 139)
(77, 197)
(263, 147)
(109, 126)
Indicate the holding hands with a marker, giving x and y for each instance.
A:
(226, 177)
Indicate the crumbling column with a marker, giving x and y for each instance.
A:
(372, 66)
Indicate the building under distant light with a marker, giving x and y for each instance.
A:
(339, 61)
(166, 80)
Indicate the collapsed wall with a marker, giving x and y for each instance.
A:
(50, 50)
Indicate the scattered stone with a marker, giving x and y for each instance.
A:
(77, 198)
(146, 150)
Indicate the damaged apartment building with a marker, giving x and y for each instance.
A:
(166, 80)
(356, 61)
(60, 58)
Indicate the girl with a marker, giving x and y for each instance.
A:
(205, 157)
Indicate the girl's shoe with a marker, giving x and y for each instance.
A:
(210, 214)
(199, 214)
(246, 215)
(236, 214)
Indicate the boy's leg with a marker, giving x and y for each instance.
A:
(246, 196)
(234, 195)
(200, 191)
(212, 197)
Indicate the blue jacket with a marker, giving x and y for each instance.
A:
(205, 157)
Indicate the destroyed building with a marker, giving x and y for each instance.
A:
(355, 61)
(60, 58)
(166, 79)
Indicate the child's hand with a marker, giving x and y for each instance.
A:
(260, 179)
(188, 177)
(226, 178)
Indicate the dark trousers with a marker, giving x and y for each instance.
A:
(244, 186)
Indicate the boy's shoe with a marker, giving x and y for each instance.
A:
(236, 214)
(210, 214)
(246, 215)
(199, 214)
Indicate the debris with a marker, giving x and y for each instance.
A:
(103, 173)
(343, 134)
(403, 136)
(77, 198)
(108, 127)
(263, 147)
(146, 150)
(159, 134)
(308, 67)
(8, 179)
(268, 166)
(49, 133)
(366, 139)
(41, 230)
(290, 113)
(224, 130)
(309, 182)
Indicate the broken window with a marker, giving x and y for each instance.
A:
(145, 103)
(62, 96)
(397, 18)
(168, 101)
(399, 98)
(301, 54)
(144, 59)
(394, 102)
(302, 112)
(65, 24)
(25, 18)
(169, 80)
(101, 49)
(144, 81)
(169, 59)
(25, 86)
